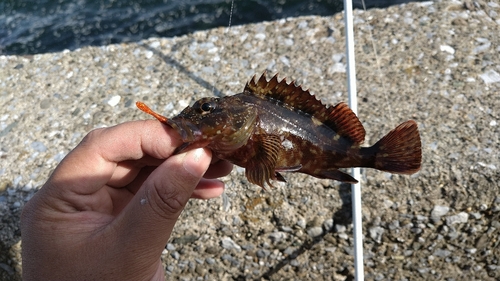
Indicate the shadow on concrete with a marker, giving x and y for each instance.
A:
(342, 216)
(175, 64)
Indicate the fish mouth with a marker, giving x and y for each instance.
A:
(188, 131)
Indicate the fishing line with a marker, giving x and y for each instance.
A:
(356, 188)
(357, 215)
(230, 16)
(226, 204)
(226, 34)
(379, 68)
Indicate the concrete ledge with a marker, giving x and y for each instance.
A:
(439, 65)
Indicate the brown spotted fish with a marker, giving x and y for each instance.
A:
(274, 126)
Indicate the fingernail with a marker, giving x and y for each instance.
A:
(192, 162)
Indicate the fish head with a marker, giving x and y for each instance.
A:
(222, 124)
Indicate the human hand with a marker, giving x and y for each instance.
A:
(108, 209)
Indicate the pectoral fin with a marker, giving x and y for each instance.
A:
(261, 168)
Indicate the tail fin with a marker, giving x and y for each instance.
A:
(400, 151)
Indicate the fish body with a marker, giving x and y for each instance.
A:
(274, 126)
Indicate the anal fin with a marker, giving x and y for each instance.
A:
(335, 174)
(289, 169)
(279, 177)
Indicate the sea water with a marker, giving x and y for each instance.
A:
(40, 26)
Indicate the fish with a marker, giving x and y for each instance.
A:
(275, 126)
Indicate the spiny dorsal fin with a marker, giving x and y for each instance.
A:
(340, 117)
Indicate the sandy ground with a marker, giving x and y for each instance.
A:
(437, 63)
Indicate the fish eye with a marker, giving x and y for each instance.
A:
(207, 107)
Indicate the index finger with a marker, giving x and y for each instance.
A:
(96, 157)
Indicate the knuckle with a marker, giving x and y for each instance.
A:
(168, 203)
(91, 136)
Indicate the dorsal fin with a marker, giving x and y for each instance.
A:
(340, 118)
(343, 121)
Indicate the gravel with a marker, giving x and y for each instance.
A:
(437, 63)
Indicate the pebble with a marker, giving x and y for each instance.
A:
(301, 223)
(315, 231)
(229, 244)
(337, 68)
(45, 103)
(394, 225)
(482, 48)
(343, 236)
(476, 215)
(212, 250)
(289, 250)
(471, 250)
(376, 233)
(438, 211)
(175, 255)
(340, 228)
(277, 236)
(447, 48)
(260, 36)
(232, 260)
(38, 146)
(461, 217)
(441, 253)
(149, 54)
(8, 128)
(262, 253)
(328, 225)
(388, 203)
(114, 100)
(170, 247)
(490, 76)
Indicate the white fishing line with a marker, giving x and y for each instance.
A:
(353, 104)
(230, 16)
(355, 172)
(380, 73)
(226, 203)
(226, 32)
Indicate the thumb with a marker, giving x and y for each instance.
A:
(149, 218)
(170, 186)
